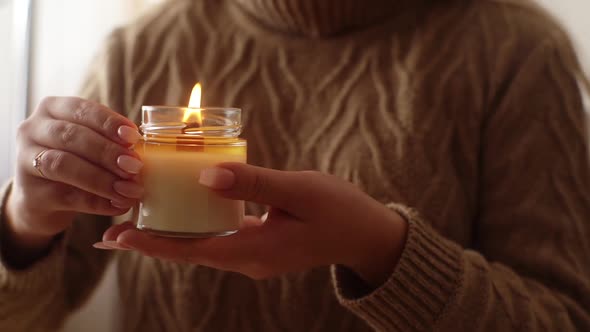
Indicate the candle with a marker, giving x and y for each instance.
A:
(179, 142)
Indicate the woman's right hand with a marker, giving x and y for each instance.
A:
(85, 166)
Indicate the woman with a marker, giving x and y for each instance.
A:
(468, 113)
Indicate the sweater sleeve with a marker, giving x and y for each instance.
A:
(528, 269)
(41, 296)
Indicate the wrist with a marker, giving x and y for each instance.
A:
(21, 243)
(379, 253)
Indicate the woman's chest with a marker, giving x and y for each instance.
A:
(364, 117)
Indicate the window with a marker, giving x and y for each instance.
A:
(65, 35)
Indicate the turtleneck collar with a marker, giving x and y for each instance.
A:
(318, 18)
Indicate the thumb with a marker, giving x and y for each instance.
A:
(256, 184)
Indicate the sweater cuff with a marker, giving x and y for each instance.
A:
(423, 282)
(45, 272)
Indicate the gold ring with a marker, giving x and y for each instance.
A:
(37, 163)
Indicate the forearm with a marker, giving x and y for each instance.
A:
(20, 245)
(31, 278)
(379, 255)
(437, 285)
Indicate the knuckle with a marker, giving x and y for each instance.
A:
(54, 160)
(258, 187)
(23, 129)
(44, 104)
(83, 111)
(312, 178)
(110, 124)
(68, 133)
(54, 128)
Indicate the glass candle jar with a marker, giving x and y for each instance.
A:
(174, 151)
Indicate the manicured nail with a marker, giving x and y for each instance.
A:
(129, 134)
(217, 178)
(100, 245)
(128, 189)
(120, 205)
(110, 245)
(129, 164)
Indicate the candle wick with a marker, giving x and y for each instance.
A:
(189, 126)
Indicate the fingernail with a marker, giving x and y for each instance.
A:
(217, 178)
(128, 189)
(110, 245)
(100, 245)
(120, 205)
(129, 134)
(129, 164)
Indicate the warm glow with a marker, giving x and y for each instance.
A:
(194, 104)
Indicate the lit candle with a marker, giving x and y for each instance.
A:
(178, 143)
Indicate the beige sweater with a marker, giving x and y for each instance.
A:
(467, 112)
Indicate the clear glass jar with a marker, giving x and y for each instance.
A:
(175, 148)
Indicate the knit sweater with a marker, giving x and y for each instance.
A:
(463, 116)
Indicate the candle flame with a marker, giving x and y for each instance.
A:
(194, 104)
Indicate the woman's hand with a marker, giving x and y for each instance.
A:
(314, 220)
(84, 165)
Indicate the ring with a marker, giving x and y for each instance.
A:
(37, 163)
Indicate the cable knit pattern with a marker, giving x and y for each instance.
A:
(319, 18)
(467, 111)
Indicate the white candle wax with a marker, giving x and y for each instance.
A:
(176, 203)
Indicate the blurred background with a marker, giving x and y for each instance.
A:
(46, 47)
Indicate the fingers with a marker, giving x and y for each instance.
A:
(279, 189)
(87, 144)
(85, 166)
(67, 198)
(224, 253)
(252, 221)
(113, 232)
(156, 246)
(257, 251)
(97, 117)
(67, 168)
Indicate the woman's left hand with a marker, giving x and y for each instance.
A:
(314, 220)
